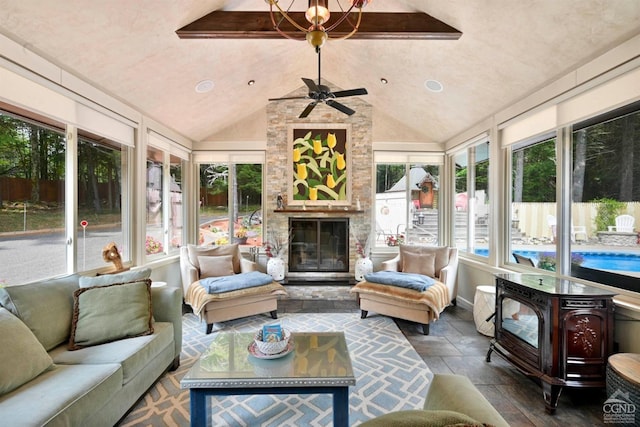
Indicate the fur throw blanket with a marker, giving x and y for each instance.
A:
(436, 298)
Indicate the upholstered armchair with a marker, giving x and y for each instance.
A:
(422, 306)
(418, 259)
(200, 262)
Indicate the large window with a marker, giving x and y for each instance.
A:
(101, 164)
(176, 221)
(533, 226)
(406, 204)
(48, 226)
(154, 239)
(230, 204)
(32, 208)
(471, 215)
(592, 166)
(164, 212)
(605, 194)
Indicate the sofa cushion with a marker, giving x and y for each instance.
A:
(107, 313)
(62, 396)
(457, 393)
(422, 418)
(22, 357)
(419, 264)
(441, 252)
(133, 353)
(216, 266)
(45, 307)
(110, 279)
(196, 251)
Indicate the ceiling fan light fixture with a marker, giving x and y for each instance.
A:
(317, 36)
(318, 12)
(360, 3)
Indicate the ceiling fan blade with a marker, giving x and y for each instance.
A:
(340, 107)
(288, 97)
(313, 87)
(350, 92)
(307, 110)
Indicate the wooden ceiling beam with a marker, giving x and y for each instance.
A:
(375, 25)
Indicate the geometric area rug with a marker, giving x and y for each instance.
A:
(390, 376)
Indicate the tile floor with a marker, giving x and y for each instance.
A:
(454, 346)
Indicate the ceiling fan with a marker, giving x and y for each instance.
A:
(321, 93)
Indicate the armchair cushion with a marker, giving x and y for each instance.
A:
(417, 282)
(419, 264)
(195, 251)
(423, 418)
(234, 282)
(198, 297)
(441, 255)
(216, 266)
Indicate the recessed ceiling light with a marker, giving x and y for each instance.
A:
(204, 86)
(433, 85)
(384, 81)
(251, 82)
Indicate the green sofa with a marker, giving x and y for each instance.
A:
(451, 400)
(46, 383)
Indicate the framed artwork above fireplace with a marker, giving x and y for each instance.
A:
(319, 165)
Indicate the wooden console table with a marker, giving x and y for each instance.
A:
(562, 333)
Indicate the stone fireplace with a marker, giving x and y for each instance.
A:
(281, 117)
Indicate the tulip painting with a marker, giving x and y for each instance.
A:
(319, 166)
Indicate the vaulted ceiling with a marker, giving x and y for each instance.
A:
(130, 50)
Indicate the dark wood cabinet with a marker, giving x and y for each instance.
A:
(555, 330)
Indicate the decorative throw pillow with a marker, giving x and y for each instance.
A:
(196, 251)
(441, 252)
(45, 307)
(216, 266)
(108, 313)
(423, 418)
(110, 279)
(419, 264)
(22, 357)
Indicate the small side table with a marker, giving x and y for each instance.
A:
(484, 305)
(623, 378)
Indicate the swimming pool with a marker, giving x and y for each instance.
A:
(613, 261)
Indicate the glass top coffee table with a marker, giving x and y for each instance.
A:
(315, 362)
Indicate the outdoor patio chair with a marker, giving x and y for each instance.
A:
(524, 260)
(575, 229)
(624, 224)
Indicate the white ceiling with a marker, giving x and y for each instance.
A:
(508, 49)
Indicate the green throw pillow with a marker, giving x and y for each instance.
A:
(103, 314)
(22, 357)
(111, 279)
(422, 418)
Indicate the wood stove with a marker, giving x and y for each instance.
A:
(554, 330)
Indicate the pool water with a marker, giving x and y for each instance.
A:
(612, 261)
